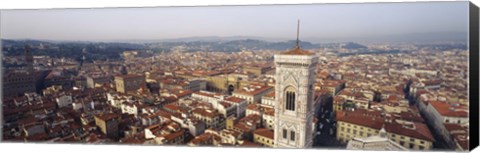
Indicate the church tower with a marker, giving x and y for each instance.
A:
(29, 59)
(294, 112)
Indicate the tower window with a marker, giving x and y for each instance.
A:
(292, 135)
(290, 99)
(284, 133)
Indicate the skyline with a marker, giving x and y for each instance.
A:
(393, 21)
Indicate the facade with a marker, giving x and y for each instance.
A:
(269, 99)
(64, 100)
(294, 111)
(93, 81)
(108, 124)
(128, 83)
(263, 136)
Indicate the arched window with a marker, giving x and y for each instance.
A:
(290, 99)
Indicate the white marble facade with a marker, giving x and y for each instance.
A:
(294, 73)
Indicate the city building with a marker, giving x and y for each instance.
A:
(129, 83)
(97, 80)
(252, 93)
(108, 124)
(263, 136)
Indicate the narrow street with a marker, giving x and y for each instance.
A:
(326, 131)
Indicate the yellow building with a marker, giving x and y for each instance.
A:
(263, 136)
(108, 124)
(365, 123)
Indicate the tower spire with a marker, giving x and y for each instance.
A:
(298, 33)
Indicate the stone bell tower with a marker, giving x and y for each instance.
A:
(294, 112)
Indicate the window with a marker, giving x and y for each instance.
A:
(290, 99)
(292, 135)
(361, 133)
(342, 128)
(422, 142)
(411, 146)
(402, 143)
(284, 133)
(412, 140)
(421, 147)
(447, 121)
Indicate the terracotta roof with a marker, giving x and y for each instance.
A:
(234, 99)
(264, 132)
(252, 90)
(107, 116)
(174, 135)
(270, 95)
(297, 51)
(446, 109)
(420, 131)
(355, 118)
(247, 143)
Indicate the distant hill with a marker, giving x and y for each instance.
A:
(351, 45)
(112, 50)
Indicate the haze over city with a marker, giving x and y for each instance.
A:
(441, 21)
(389, 76)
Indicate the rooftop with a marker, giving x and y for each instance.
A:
(297, 51)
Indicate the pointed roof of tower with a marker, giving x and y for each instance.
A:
(297, 50)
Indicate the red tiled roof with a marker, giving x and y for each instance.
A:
(234, 99)
(264, 132)
(254, 90)
(446, 109)
(372, 122)
(270, 94)
(107, 116)
(297, 51)
(420, 131)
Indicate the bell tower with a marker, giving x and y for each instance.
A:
(29, 59)
(294, 112)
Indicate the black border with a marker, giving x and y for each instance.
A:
(473, 76)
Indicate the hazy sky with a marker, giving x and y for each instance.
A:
(272, 21)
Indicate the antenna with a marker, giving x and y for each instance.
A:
(298, 33)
